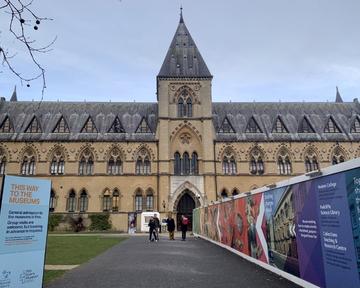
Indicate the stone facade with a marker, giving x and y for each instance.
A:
(133, 157)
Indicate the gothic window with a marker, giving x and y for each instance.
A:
(189, 107)
(115, 200)
(147, 166)
(331, 126)
(115, 163)
(52, 203)
(34, 126)
(225, 165)
(143, 127)
(224, 193)
(57, 165)
(139, 166)
(226, 127)
(138, 200)
(186, 164)
(116, 127)
(284, 163)
(28, 164)
(149, 200)
(184, 104)
(252, 126)
(71, 201)
(305, 126)
(337, 156)
(143, 164)
(83, 201)
(311, 162)
(235, 192)
(61, 126)
(181, 107)
(177, 165)
(6, 126)
(107, 201)
(194, 164)
(86, 164)
(355, 127)
(89, 126)
(2, 163)
(256, 164)
(279, 126)
(229, 163)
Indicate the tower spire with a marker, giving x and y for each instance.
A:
(338, 98)
(181, 15)
(14, 95)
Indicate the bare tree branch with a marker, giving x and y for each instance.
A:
(21, 19)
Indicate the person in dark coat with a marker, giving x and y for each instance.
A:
(152, 228)
(184, 225)
(157, 227)
(170, 227)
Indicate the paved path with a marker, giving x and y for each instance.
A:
(136, 263)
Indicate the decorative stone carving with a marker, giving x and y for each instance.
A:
(185, 138)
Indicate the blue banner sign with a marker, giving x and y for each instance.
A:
(23, 231)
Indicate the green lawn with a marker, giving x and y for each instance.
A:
(50, 275)
(73, 250)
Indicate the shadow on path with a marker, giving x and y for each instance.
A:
(137, 263)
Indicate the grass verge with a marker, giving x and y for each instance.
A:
(52, 274)
(72, 250)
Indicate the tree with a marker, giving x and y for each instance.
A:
(21, 19)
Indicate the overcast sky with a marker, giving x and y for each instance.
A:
(257, 50)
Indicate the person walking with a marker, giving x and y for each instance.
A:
(152, 230)
(157, 227)
(184, 225)
(170, 227)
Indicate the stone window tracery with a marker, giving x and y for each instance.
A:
(337, 156)
(28, 164)
(57, 166)
(284, 162)
(115, 164)
(86, 164)
(256, 162)
(311, 161)
(229, 163)
(184, 104)
(143, 164)
(185, 165)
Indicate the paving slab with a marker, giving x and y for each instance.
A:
(138, 263)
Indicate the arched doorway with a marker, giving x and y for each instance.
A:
(185, 207)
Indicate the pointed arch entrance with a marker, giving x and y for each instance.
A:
(185, 205)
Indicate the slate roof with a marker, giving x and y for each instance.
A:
(76, 114)
(130, 114)
(183, 58)
(291, 115)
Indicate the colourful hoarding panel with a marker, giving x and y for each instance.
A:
(23, 231)
(310, 229)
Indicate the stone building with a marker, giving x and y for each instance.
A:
(175, 154)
